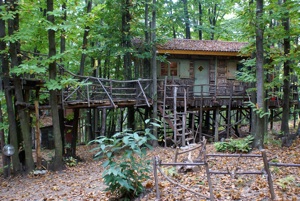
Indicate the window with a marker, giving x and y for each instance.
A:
(169, 69)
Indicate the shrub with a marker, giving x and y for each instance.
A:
(235, 145)
(126, 164)
(70, 161)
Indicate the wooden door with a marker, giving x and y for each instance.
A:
(201, 78)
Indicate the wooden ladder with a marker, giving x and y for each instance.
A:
(176, 120)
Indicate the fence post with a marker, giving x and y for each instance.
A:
(155, 162)
(270, 181)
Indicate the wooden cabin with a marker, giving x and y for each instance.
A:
(198, 90)
(209, 68)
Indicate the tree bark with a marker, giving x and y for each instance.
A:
(259, 135)
(146, 68)
(286, 75)
(126, 44)
(200, 20)
(75, 132)
(154, 70)
(186, 20)
(62, 50)
(58, 159)
(85, 40)
(213, 16)
(4, 62)
(14, 51)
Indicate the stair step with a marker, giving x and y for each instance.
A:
(179, 135)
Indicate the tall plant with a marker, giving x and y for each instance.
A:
(126, 161)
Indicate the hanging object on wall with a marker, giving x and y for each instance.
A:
(200, 68)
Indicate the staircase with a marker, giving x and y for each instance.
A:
(174, 119)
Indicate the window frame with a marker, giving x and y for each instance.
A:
(168, 72)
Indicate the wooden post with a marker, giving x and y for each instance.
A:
(155, 161)
(217, 118)
(164, 110)
(192, 116)
(270, 181)
(184, 121)
(37, 135)
(272, 119)
(201, 115)
(211, 191)
(229, 111)
(175, 114)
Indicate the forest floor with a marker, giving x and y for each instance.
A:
(84, 182)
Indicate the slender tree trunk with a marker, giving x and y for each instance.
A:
(74, 132)
(4, 62)
(58, 159)
(200, 20)
(62, 50)
(14, 51)
(126, 44)
(186, 20)
(259, 135)
(146, 69)
(103, 122)
(213, 16)
(286, 76)
(85, 40)
(81, 72)
(154, 69)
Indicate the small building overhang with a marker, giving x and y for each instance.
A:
(201, 47)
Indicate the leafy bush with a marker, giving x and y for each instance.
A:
(235, 145)
(284, 183)
(126, 164)
(70, 161)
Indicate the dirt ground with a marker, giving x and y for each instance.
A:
(84, 182)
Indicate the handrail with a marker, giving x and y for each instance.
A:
(103, 87)
(108, 90)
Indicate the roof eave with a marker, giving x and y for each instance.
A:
(198, 52)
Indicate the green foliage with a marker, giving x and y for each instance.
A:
(28, 69)
(126, 164)
(170, 171)
(285, 182)
(258, 111)
(235, 145)
(269, 139)
(70, 161)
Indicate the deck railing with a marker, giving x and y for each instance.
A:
(93, 90)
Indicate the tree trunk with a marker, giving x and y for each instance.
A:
(154, 70)
(130, 118)
(85, 40)
(4, 62)
(286, 76)
(58, 159)
(62, 50)
(259, 135)
(126, 44)
(146, 68)
(186, 20)
(75, 132)
(103, 122)
(14, 51)
(213, 16)
(200, 20)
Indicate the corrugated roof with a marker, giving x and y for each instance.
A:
(202, 45)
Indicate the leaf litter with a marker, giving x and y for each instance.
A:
(84, 181)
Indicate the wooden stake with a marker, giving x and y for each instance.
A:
(37, 135)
